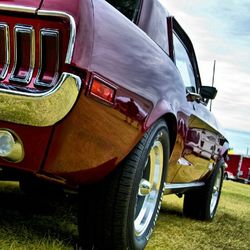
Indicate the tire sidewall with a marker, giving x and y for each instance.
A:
(210, 186)
(140, 241)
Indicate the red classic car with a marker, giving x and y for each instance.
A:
(105, 97)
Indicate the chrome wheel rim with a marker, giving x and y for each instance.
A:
(149, 188)
(215, 192)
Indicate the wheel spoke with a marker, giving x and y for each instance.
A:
(152, 165)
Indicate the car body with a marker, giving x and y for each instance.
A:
(82, 85)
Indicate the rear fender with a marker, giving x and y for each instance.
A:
(164, 110)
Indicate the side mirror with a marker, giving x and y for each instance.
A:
(208, 92)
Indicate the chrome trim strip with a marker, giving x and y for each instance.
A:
(41, 109)
(171, 186)
(6, 30)
(28, 30)
(72, 37)
(47, 33)
(18, 8)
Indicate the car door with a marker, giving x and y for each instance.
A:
(201, 140)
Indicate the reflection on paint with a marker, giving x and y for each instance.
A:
(201, 150)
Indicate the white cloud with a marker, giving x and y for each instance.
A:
(220, 30)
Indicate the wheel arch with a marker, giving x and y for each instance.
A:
(171, 121)
(164, 111)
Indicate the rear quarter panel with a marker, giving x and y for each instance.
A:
(94, 138)
(82, 12)
(126, 57)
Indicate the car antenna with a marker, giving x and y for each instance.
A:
(213, 82)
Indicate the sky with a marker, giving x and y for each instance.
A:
(220, 30)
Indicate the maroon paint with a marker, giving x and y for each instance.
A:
(35, 142)
(82, 12)
(24, 3)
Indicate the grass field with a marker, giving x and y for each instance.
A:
(38, 224)
(229, 230)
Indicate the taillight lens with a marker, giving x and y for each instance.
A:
(24, 54)
(49, 58)
(34, 51)
(102, 91)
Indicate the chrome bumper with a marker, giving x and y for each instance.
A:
(40, 109)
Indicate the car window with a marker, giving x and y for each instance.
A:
(184, 64)
(128, 8)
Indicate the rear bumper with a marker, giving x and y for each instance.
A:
(40, 109)
(86, 146)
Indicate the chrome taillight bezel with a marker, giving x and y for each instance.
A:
(23, 29)
(72, 36)
(21, 75)
(5, 29)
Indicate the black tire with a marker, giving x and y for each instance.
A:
(202, 204)
(110, 213)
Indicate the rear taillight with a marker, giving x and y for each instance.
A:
(24, 54)
(33, 52)
(102, 91)
(4, 50)
(49, 58)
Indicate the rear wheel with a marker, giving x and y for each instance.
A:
(125, 213)
(202, 204)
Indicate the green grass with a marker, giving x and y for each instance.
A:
(36, 223)
(39, 223)
(229, 230)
